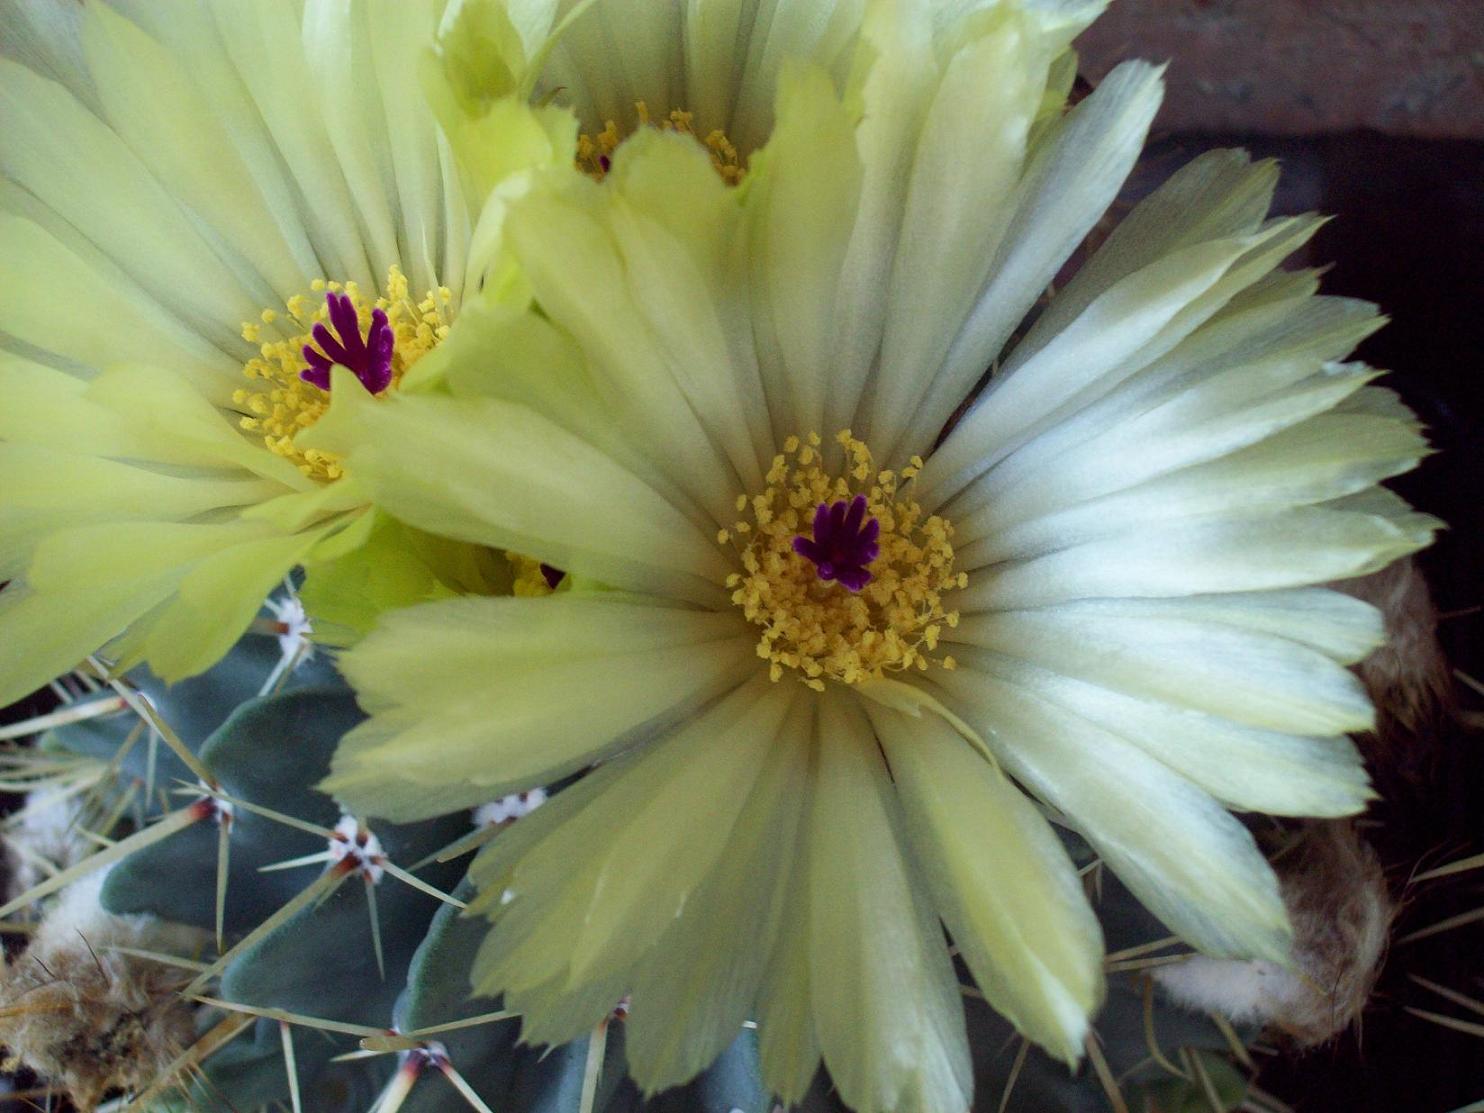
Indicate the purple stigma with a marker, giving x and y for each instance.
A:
(844, 542)
(552, 576)
(370, 360)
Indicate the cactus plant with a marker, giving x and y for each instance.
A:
(311, 973)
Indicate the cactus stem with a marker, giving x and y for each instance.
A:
(286, 1017)
(375, 927)
(1105, 1074)
(172, 822)
(219, 1036)
(142, 708)
(286, 1034)
(597, 1047)
(319, 889)
(73, 713)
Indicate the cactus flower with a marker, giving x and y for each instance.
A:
(846, 629)
(204, 208)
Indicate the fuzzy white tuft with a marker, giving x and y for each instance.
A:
(88, 1017)
(1336, 896)
(509, 807)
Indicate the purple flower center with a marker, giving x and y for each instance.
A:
(844, 542)
(370, 359)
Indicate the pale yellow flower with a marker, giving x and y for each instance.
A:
(185, 186)
(1087, 596)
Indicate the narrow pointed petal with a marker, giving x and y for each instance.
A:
(514, 692)
(1000, 879)
(1188, 860)
(887, 1007)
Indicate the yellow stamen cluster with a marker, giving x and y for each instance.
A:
(595, 152)
(530, 582)
(284, 405)
(819, 628)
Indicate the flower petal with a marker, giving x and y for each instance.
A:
(89, 313)
(894, 92)
(1246, 768)
(1178, 851)
(802, 194)
(567, 251)
(46, 490)
(788, 1044)
(514, 692)
(887, 1007)
(151, 101)
(1268, 456)
(1001, 880)
(1072, 178)
(1234, 371)
(215, 602)
(591, 899)
(1102, 347)
(498, 474)
(1242, 675)
(266, 45)
(698, 986)
(969, 158)
(60, 152)
(1290, 548)
(85, 584)
(1217, 195)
